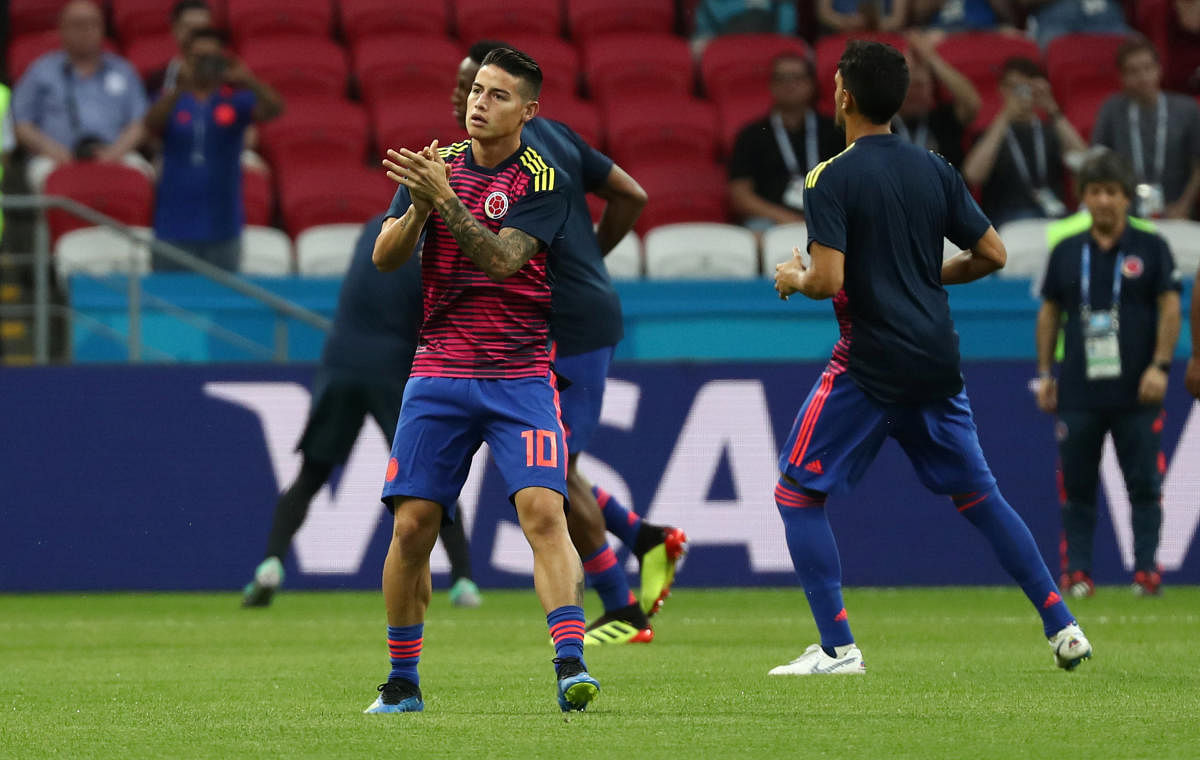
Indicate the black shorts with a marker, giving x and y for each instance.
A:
(340, 402)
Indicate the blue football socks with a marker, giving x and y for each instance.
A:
(619, 521)
(404, 648)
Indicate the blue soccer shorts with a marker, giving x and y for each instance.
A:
(583, 399)
(444, 420)
(840, 429)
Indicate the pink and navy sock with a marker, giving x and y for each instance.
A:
(815, 557)
(607, 576)
(619, 521)
(566, 630)
(1018, 553)
(404, 648)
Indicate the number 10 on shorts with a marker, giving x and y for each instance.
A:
(541, 448)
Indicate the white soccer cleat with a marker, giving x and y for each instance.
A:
(814, 661)
(1070, 647)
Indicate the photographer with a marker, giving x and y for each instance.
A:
(79, 103)
(203, 123)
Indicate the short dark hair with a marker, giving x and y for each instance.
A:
(794, 56)
(1135, 43)
(519, 65)
(1104, 165)
(206, 33)
(876, 74)
(480, 49)
(1021, 65)
(183, 6)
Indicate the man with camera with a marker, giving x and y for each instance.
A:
(203, 123)
(80, 102)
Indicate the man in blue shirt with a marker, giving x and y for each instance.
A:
(203, 123)
(79, 102)
(364, 368)
(877, 216)
(1119, 289)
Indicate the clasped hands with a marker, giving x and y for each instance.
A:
(425, 174)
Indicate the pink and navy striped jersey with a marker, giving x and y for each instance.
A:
(474, 327)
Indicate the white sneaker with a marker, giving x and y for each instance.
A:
(1070, 647)
(269, 573)
(814, 661)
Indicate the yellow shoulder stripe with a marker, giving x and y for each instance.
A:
(811, 180)
(543, 174)
(453, 149)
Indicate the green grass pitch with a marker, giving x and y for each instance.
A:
(952, 673)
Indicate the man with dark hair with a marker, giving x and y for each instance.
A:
(586, 325)
(490, 210)
(1158, 132)
(1119, 288)
(922, 119)
(877, 215)
(1019, 159)
(364, 367)
(771, 155)
(187, 16)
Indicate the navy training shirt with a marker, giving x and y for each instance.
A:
(887, 205)
(586, 311)
(1148, 271)
(378, 315)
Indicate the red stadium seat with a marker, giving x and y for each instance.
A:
(414, 122)
(328, 129)
(558, 59)
(31, 16)
(390, 65)
(151, 52)
(265, 18)
(315, 194)
(661, 126)
(1082, 109)
(257, 197)
(588, 19)
(1083, 63)
(734, 113)
(829, 52)
(363, 18)
(739, 64)
(620, 66)
(27, 48)
(298, 66)
(134, 19)
(118, 191)
(680, 191)
(580, 115)
(488, 19)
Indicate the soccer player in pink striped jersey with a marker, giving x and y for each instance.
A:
(490, 210)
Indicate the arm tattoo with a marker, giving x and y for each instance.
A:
(497, 256)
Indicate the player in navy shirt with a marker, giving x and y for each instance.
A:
(490, 208)
(877, 215)
(586, 326)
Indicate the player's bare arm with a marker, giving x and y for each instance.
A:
(1046, 337)
(1152, 386)
(499, 256)
(626, 199)
(985, 257)
(822, 279)
(398, 238)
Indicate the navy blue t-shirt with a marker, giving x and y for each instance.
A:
(586, 313)
(887, 205)
(1148, 271)
(378, 315)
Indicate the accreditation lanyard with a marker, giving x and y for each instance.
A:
(920, 139)
(1160, 141)
(1085, 284)
(1039, 156)
(785, 143)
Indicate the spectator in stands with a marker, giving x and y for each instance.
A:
(202, 123)
(1181, 39)
(1117, 286)
(1019, 159)
(1054, 18)
(1164, 149)
(961, 15)
(922, 120)
(863, 15)
(771, 156)
(187, 16)
(79, 103)
(716, 17)
(8, 140)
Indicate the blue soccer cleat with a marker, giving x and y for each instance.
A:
(576, 687)
(397, 696)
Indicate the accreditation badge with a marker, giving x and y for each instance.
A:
(1151, 200)
(1101, 347)
(1051, 206)
(793, 196)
